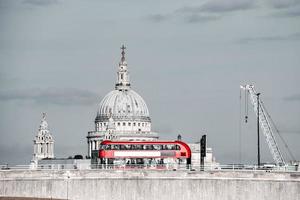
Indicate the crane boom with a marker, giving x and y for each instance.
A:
(265, 125)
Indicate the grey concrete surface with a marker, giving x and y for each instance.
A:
(146, 185)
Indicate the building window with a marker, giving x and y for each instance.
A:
(119, 124)
(142, 124)
(100, 124)
(139, 124)
(124, 124)
(133, 123)
(129, 124)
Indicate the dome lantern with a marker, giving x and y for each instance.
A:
(123, 74)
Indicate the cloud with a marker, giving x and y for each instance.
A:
(294, 12)
(190, 18)
(295, 97)
(157, 17)
(227, 6)
(40, 2)
(291, 37)
(58, 96)
(282, 4)
(220, 6)
(285, 8)
(201, 18)
(212, 10)
(209, 11)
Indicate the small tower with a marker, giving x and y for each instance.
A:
(110, 129)
(43, 142)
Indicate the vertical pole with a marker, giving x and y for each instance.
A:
(202, 164)
(202, 151)
(258, 142)
(200, 154)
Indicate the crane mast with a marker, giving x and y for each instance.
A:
(265, 125)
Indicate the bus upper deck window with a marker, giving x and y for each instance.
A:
(115, 147)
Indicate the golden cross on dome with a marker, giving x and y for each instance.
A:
(44, 115)
(123, 47)
(123, 53)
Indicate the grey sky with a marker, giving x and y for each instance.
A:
(186, 59)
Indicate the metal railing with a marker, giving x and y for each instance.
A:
(125, 133)
(166, 167)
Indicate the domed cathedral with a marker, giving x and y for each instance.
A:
(122, 114)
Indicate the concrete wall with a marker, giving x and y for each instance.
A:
(171, 185)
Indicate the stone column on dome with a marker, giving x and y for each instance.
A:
(52, 149)
(34, 148)
(91, 143)
(49, 150)
(88, 153)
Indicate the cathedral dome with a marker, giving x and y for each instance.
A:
(122, 114)
(123, 105)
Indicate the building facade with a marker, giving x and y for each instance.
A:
(122, 113)
(209, 159)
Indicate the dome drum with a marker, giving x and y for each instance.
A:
(105, 118)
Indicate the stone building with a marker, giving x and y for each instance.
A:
(122, 114)
(209, 160)
(43, 143)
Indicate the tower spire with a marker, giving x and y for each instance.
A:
(44, 125)
(123, 75)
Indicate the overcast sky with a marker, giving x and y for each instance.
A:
(186, 58)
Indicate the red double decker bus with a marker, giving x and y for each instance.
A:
(144, 152)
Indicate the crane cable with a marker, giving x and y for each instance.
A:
(246, 106)
(240, 128)
(280, 136)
